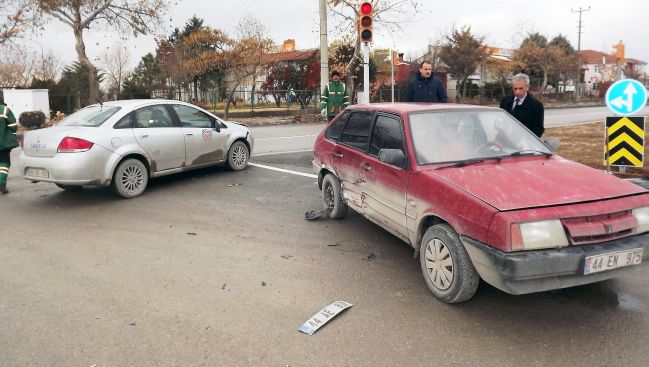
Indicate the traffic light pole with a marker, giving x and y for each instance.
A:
(324, 48)
(366, 73)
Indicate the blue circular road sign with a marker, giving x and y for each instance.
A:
(626, 97)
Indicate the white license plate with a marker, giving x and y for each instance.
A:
(613, 260)
(37, 172)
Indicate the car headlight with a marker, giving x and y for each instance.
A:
(538, 235)
(642, 216)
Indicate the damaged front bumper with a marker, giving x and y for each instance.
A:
(542, 270)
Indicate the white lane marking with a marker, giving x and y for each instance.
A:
(283, 152)
(282, 170)
(287, 137)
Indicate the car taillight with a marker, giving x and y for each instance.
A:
(74, 145)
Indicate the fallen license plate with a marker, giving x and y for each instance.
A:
(37, 172)
(613, 260)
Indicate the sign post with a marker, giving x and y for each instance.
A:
(625, 133)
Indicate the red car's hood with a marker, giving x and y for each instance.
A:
(525, 182)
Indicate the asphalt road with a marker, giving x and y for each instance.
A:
(219, 268)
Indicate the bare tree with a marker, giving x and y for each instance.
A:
(389, 14)
(245, 59)
(15, 17)
(15, 67)
(47, 66)
(114, 63)
(137, 16)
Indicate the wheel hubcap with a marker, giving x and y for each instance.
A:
(329, 196)
(132, 178)
(239, 155)
(439, 264)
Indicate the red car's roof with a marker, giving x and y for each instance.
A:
(407, 107)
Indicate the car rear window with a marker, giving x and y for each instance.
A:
(357, 130)
(91, 116)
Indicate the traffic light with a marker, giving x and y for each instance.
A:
(619, 52)
(365, 21)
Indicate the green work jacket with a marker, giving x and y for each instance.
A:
(8, 127)
(334, 98)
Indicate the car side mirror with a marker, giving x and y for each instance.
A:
(552, 143)
(392, 156)
(216, 126)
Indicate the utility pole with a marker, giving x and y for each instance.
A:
(578, 85)
(324, 46)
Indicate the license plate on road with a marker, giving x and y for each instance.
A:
(37, 172)
(613, 260)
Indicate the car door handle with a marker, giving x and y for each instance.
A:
(189, 134)
(366, 166)
(337, 155)
(144, 136)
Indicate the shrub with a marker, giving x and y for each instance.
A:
(32, 120)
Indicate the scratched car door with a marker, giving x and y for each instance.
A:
(203, 143)
(348, 154)
(156, 133)
(384, 185)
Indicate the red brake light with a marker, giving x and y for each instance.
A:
(366, 8)
(72, 145)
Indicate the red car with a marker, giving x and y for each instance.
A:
(477, 195)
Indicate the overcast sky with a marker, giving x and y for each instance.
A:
(502, 23)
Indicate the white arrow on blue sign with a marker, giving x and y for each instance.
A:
(626, 97)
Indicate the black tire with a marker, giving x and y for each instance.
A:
(442, 256)
(130, 178)
(238, 156)
(68, 187)
(332, 197)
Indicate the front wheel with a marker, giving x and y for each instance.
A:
(332, 197)
(447, 268)
(130, 179)
(238, 156)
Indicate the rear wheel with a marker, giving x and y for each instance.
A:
(130, 179)
(68, 187)
(238, 156)
(447, 268)
(332, 197)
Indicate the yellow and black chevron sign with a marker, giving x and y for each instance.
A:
(625, 141)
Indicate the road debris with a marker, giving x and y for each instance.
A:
(191, 233)
(315, 214)
(223, 286)
(374, 256)
(323, 316)
(263, 284)
(234, 184)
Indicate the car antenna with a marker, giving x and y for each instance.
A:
(101, 104)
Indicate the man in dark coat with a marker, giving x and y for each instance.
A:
(425, 87)
(523, 106)
(8, 141)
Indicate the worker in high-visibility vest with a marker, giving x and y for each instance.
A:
(334, 97)
(8, 141)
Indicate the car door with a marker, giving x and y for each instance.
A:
(204, 143)
(348, 155)
(384, 186)
(156, 133)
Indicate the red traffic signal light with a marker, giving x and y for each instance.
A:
(365, 22)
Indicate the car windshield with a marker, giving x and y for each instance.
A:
(91, 116)
(451, 136)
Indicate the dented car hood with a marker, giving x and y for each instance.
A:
(528, 182)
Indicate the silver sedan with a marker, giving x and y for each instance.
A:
(124, 143)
